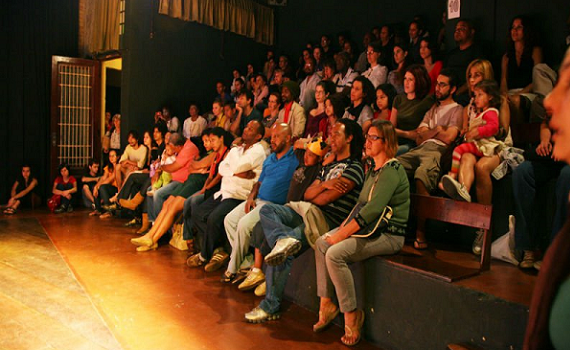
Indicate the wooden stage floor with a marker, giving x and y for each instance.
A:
(152, 300)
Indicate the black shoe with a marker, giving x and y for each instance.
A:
(69, 208)
(61, 209)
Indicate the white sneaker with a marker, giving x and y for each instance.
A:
(284, 248)
(478, 242)
(454, 189)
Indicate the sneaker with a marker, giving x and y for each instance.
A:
(454, 189)
(260, 290)
(257, 315)
(217, 261)
(61, 209)
(195, 260)
(253, 279)
(477, 246)
(537, 264)
(227, 277)
(284, 248)
(69, 208)
(528, 260)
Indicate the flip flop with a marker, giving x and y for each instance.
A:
(420, 245)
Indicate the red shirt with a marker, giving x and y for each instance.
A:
(70, 180)
(287, 112)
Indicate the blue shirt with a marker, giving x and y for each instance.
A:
(276, 176)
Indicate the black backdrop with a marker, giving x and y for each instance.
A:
(32, 31)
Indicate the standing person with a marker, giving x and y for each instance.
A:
(106, 187)
(89, 180)
(195, 123)
(292, 113)
(385, 187)
(22, 191)
(377, 73)
(63, 189)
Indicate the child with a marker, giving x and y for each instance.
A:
(385, 94)
(480, 138)
(168, 157)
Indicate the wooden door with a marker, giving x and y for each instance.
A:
(75, 113)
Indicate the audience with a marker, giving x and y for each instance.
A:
(89, 180)
(63, 189)
(23, 191)
(315, 125)
(292, 113)
(361, 98)
(106, 187)
(133, 158)
(308, 85)
(345, 75)
(428, 53)
(271, 113)
(245, 113)
(377, 73)
(195, 123)
(385, 94)
(401, 61)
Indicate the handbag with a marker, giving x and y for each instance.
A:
(54, 202)
(177, 241)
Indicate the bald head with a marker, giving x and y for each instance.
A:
(281, 138)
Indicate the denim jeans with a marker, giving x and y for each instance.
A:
(526, 178)
(105, 193)
(154, 203)
(64, 187)
(279, 221)
(189, 203)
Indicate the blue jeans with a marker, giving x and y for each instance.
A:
(279, 221)
(189, 203)
(526, 178)
(154, 203)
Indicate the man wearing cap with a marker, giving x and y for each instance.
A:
(272, 187)
(292, 113)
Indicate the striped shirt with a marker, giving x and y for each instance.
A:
(335, 212)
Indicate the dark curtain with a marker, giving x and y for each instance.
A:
(32, 31)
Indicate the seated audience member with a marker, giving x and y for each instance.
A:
(133, 159)
(222, 95)
(439, 128)
(272, 187)
(334, 108)
(270, 57)
(361, 98)
(348, 47)
(195, 123)
(318, 56)
(428, 53)
(385, 94)
(330, 196)
(219, 119)
(260, 92)
(250, 73)
(362, 62)
(240, 86)
(315, 117)
(89, 180)
(23, 190)
(308, 85)
(345, 75)
(464, 53)
(410, 107)
(245, 113)
(547, 326)
(401, 62)
(415, 32)
(151, 149)
(172, 123)
(522, 54)
(292, 113)
(310, 158)
(239, 171)
(276, 82)
(377, 73)
(236, 76)
(158, 179)
(481, 140)
(535, 172)
(327, 50)
(198, 173)
(363, 234)
(63, 189)
(106, 187)
(300, 74)
(271, 113)
(386, 37)
(186, 152)
(230, 113)
(220, 142)
(329, 71)
(285, 66)
(113, 137)
(272, 67)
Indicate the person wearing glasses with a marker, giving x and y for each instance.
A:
(375, 226)
(377, 73)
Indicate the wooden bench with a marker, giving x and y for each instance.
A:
(425, 208)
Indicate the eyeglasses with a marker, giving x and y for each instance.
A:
(373, 137)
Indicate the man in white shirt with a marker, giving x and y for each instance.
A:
(308, 86)
(240, 170)
(345, 74)
(133, 158)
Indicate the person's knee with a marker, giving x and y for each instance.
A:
(523, 173)
(321, 245)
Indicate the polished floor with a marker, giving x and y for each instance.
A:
(152, 300)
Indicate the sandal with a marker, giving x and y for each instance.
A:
(10, 211)
(420, 245)
(105, 215)
(349, 332)
(326, 319)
